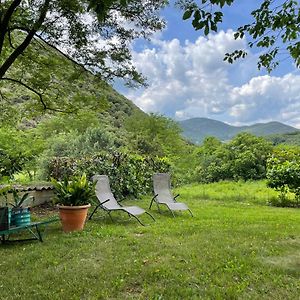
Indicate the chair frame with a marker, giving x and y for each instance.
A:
(154, 198)
(121, 208)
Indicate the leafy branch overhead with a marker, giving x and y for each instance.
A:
(275, 28)
(95, 35)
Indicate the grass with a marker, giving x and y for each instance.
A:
(229, 250)
(250, 191)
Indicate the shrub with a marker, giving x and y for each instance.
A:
(130, 175)
(283, 173)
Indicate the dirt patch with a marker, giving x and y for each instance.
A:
(44, 210)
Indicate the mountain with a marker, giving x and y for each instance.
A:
(197, 129)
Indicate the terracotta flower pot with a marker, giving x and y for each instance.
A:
(73, 217)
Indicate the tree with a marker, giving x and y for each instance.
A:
(283, 174)
(94, 34)
(154, 135)
(244, 157)
(275, 28)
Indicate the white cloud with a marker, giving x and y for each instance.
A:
(192, 80)
(268, 98)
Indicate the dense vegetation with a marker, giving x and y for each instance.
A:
(244, 157)
(291, 138)
(130, 175)
(100, 124)
(284, 175)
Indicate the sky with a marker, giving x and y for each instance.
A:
(188, 78)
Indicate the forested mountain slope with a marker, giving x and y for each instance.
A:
(197, 129)
(57, 85)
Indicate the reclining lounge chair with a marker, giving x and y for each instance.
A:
(108, 202)
(163, 195)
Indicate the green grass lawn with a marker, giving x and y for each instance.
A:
(229, 250)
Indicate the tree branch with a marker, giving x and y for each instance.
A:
(64, 54)
(21, 48)
(45, 107)
(4, 22)
(29, 88)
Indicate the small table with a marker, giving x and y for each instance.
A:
(33, 228)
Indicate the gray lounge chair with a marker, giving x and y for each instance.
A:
(163, 195)
(108, 202)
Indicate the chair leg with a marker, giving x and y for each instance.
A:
(90, 217)
(170, 211)
(110, 216)
(158, 208)
(138, 219)
(150, 216)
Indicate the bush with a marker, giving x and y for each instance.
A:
(130, 175)
(283, 173)
(243, 158)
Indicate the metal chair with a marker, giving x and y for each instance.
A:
(163, 195)
(108, 203)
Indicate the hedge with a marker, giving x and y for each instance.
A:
(129, 175)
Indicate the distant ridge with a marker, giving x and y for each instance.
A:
(197, 129)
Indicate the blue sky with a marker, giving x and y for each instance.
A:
(187, 76)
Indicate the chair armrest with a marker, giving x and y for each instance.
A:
(104, 202)
(176, 197)
(152, 200)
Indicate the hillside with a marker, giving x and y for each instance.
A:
(64, 86)
(292, 138)
(197, 129)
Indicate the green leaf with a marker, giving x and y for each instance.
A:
(187, 14)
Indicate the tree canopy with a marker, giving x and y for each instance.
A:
(275, 28)
(96, 35)
(91, 33)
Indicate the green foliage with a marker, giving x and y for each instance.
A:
(130, 175)
(74, 27)
(4, 193)
(19, 200)
(18, 150)
(292, 138)
(242, 158)
(284, 174)
(74, 191)
(156, 135)
(275, 28)
(153, 134)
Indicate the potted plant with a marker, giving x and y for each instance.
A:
(73, 197)
(19, 214)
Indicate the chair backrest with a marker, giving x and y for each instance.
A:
(103, 191)
(162, 187)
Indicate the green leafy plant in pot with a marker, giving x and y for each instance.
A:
(20, 215)
(73, 197)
